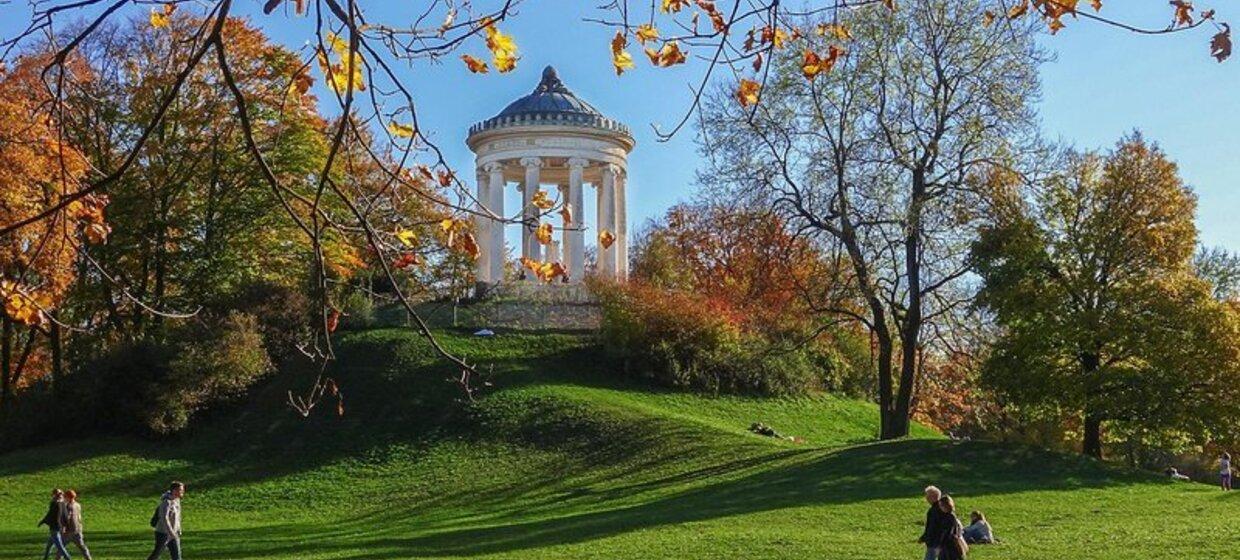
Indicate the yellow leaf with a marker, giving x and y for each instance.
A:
(541, 200)
(673, 6)
(669, 55)
(401, 130)
(407, 238)
(622, 60)
(503, 48)
(161, 17)
(646, 32)
(606, 238)
(747, 92)
(543, 233)
(475, 65)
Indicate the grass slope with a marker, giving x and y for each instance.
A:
(561, 460)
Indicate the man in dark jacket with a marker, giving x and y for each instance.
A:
(52, 520)
(936, 522)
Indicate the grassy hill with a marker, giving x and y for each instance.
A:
(561, 460)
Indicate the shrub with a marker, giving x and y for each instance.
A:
(680, 339)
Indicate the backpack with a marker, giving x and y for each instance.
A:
(155, 517)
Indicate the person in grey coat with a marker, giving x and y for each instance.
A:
(167, 523)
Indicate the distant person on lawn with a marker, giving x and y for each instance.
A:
(936, 521)
(167, 523)
(978, 531)
(52, 520)
(951, 538)
(1224, 471)
(71, 523)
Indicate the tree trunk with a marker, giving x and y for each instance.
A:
(6, 364)
(57, 359)
(1092, 444)
(910, 327)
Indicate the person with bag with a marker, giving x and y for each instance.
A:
(951, 538)
(71, 523)
(935, 521)
(52, 520)
(167, 523)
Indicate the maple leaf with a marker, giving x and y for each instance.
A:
(1018, 10)
(503, 48)
(474, 64)
(543, 233)
(811, 65)
(673, 6)
(1220, 44)
(646, 32)
(606, 238)
(333, 320)
(445, 178)
(401, 130)
(1097, 4)
(1183, 12)
(620, 58)
(757, 63)
(837, 30)
(468, 245)
(407, 237)
(97, 233)
(566, 212)
(988, 18)
(406, 260)
(669, 55)
(161, 17)
(541, 200)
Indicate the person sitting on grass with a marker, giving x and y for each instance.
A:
(978, 531)
(1175, 475)
(951, 536)
(52, 520)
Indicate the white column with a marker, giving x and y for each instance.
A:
(482, 230)
(574, 235)
(564, 225)
(622, 226)
(529, 213)
(496, 238)
(607, 222)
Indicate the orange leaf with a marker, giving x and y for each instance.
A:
(606, 238)
(474, 64)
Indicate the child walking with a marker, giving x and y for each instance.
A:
(1224, 471)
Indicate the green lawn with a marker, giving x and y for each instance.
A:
(561, 460)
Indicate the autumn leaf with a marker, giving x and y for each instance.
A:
(407, 237)
(837, 30)
(606, 238)
(1183, 12)
(669, 55)
(988, 18)
(503, 48)
(891, 5)
(468, 245)
(646, 32)
(161, 17)
(757, 63)
(620, 58)
(445, 178)
(475, 65)
(566, 212)
(673, 6)
(773, 35)
(1097, 4)
(716, 17)
(1220, 45)
(1018, 10)
(333, 320)
(401, 130)
(97, 233)
(406, 260)
(338, 75)
(542, 200)
(543, 233)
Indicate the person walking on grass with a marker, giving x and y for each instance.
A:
(951, 536)
(936, 520)
(71, 524)
(167, 523)
(1224, 471)
(52, 520)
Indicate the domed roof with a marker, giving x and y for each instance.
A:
(551, 96)
(551, 103)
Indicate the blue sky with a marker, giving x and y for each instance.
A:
(1104, 83)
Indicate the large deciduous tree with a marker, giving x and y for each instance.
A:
(878, 160)
(1089, 278)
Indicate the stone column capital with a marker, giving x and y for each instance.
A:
(613, 169)
(578, 162)
(493, 167)
(529, 162)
